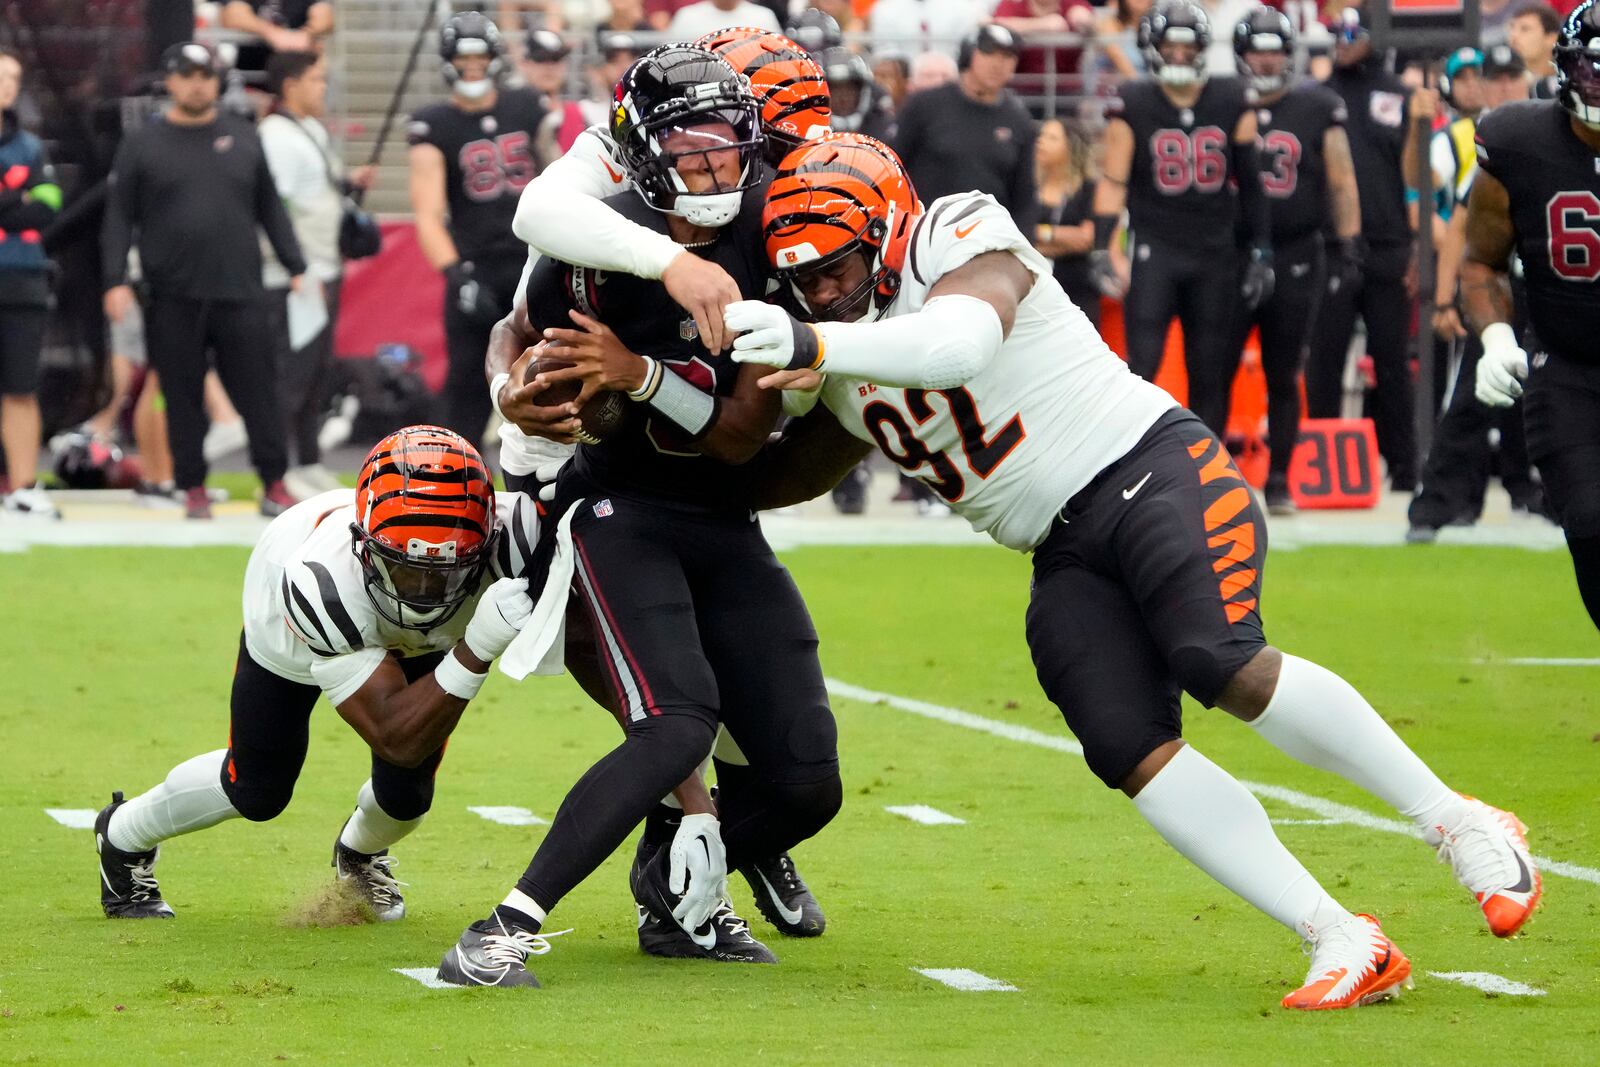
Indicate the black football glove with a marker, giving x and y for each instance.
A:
(1345, 272)
(471, 296)
(1256, 286)
(1104, 274)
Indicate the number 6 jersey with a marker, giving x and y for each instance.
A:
(1553, 180)
(1052, 409)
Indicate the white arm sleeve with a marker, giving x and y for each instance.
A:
(560, 215)
(945, 344)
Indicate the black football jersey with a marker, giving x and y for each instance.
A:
(650, 455)
(1294, 173)
(489, 158)
(1554, 184)
(1179, 190)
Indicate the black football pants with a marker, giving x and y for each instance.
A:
(1200, 287)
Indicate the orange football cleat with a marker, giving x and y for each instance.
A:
(1488, 850)
(1352, 963)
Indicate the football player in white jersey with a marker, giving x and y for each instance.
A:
(941, 336)
(392, 600)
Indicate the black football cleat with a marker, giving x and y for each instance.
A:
(128, 888)
(782, 897)
(725, 937)
(372, 878)
(494, 952)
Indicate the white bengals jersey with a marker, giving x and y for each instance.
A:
(307, 615)
(1052, 409)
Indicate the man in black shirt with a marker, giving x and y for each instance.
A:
(1310, 184)
(471, 156)
(1535, 194)
(189, 190)
(1375, 102)
(1176, 144)
(972, 133)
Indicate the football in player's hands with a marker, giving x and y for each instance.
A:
(601, 415)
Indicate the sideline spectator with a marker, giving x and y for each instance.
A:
(708, 16)
(1376, 103)
(544, 68)
(471, 156)
(1040, 70)
(189, 190)
(29, 201)
(1117, 41)
(310, 180)
(973, 133)
(625, 16)
(929, 71)
(284, 25)
(1532, 31)
(1065, 233)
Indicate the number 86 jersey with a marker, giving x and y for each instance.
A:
(1052, 409)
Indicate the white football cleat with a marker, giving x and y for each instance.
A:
(1488, 851)
(1352, 963)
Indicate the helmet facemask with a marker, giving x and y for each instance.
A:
(875, 292)
(1578, 68)
(423, 585)
(1267, 44)
(1180, 75)
(683, 168)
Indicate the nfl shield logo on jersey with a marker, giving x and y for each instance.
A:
(603, 509)
(687, 330)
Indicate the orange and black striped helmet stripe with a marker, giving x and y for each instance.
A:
(791, 86)
(429, 484)
(835, 194)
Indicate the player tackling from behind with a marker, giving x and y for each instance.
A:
(941, 336)
(391, 600)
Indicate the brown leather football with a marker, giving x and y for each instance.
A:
(601, 416)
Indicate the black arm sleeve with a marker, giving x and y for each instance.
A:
(274, 219)
(122, 200)
(1254, 210)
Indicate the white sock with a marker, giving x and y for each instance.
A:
(191, 798)
(371, 829)
(1204, 813)
(517, 900)
(1319, 719)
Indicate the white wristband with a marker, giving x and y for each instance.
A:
(1498, 335)
(497, 383)
(454, 677)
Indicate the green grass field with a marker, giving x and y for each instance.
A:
(117, 665)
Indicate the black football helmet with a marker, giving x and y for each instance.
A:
(1577, 57)
(1264, 29)
(1175, 22)
(815, 30)
(471, 33)
(679, 89)
(846, 70)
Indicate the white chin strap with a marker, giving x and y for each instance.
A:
(1268, 83)
(1179, 76)
(473, 90)
(710, 210)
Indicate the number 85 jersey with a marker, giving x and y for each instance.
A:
(1051, 410)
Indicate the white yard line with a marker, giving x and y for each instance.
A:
(1538, 661)
(1329, 810)
(925, 815)
(73, 818)
(1489, 983)
(965, 980)
(508, 815)
(428, 976)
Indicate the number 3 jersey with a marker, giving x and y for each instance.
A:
(1050, 411)
(1178, 187)
(1294, 174)
(307, 616)
(488, 159)
(1553, 180)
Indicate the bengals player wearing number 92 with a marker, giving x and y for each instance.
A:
(941, 336)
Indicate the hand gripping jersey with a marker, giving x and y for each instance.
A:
(489, 159)
(1554, 184)
(1179, 188)
(1294, 174)
(307, 616)
(1049, 412)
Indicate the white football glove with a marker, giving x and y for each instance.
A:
(501, 612)
(698, 869)
(1503, 368)
(551, 457)
(770, 335)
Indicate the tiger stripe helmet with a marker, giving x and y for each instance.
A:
(425, 525)
(790, 85)
(844, 193)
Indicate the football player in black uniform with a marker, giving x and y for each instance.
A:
(1375, 102)
(1538, 193)
(859, 106)
(1176, 145)
(470, 157)
(1310, 182)
(697, 620)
